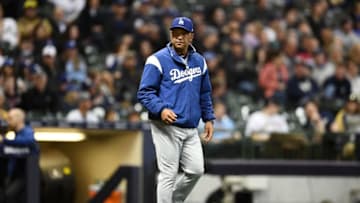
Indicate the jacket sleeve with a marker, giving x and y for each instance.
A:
(148, 92)
(207, 111)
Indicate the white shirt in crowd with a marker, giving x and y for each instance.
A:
(259, 122)
(355, 84)
(74, 116)
(9, 32)
(322, 72)
(71, 8)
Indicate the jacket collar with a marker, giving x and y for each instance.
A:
(175, 56)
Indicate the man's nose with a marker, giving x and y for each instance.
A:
(180, 36)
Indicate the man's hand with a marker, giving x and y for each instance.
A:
(209, 131)
(168, 116)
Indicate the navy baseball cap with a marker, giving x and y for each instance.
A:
(8, 62)
(71, 44)
(183, 23)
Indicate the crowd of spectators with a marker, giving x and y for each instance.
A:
(53, 52)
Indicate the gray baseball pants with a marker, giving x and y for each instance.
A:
(174, 146)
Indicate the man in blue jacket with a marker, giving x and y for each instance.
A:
(175, 88)
(23, 144)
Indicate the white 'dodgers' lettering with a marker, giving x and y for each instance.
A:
(179, 76)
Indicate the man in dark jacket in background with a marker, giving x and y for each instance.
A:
(13, 188)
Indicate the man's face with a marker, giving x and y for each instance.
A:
(12, 120)
(30, 12)
(48, 60)
(180, 38)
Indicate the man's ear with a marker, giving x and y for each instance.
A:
(191, 37)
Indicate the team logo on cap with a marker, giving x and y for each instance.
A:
(181, 21)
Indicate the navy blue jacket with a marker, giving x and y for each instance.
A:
(299, 90)
(23, 144)
(183, 85)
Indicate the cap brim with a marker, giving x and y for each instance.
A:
(181, 27)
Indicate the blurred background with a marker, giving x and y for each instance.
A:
(285, 78)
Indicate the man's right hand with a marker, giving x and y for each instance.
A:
(168, 116)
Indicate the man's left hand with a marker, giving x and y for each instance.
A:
(209, 131)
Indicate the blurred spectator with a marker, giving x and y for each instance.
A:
(69, 101)
(8, 30)
(250, 38)
(292, 17)
(348, 118)
(83, 112)
(111, 115)
(353, 77)
(346, 33)
(13, 85)
(24, 143)
(51, 67)
(218, 18)
(240, 72)
(266, 36)
(355, 14)
(290, 50)
(40, 38)
(118, 23)
(75, 66)
(40, 99)
(327, 38)
(211, 40)
(213, 63)
(101, 89)
(72, 33)
(354, 54)
(304, 29)
(165, 6)
(275, 29)
(321, 68)
(220, 90)
(2, 55)
(31, 19)
(273, 75)
(58, 24)
(309, 45)
(26, 50)
(316, 17)
(71, 8)
(301, 86)
(127, 85)
(224, 126)
(133, 117)
(262, 123)
(155, 36)
(239, 15)
(143, 12)
(197, 14)
(3, 108)
(92, 24)
(261, 11)
(115, 59)
(145, 50)
(315, 123)
(146, 9)
(27, 71)
(337, 87)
